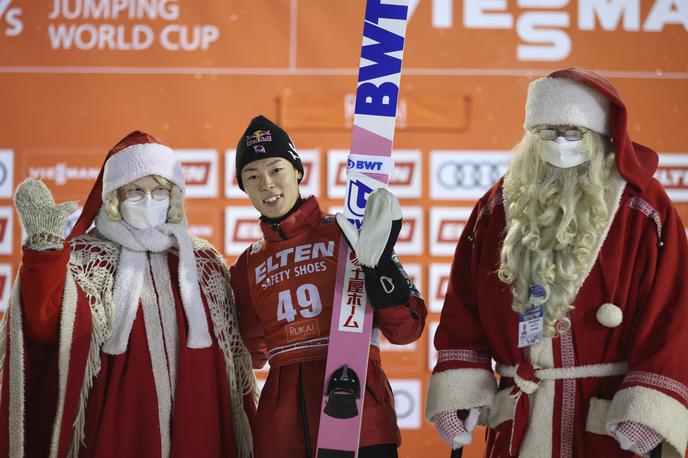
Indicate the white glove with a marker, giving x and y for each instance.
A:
(377, 232)
(637, 438)
(386, 284)
(43, 220)
(456, 432)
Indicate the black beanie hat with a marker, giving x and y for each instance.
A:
(262, 139)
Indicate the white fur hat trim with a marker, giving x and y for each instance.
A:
(138, 161)
(563, 101)
(609, 315)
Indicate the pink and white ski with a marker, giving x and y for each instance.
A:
(369, 166)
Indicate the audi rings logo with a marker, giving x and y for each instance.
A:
(469, 175)
(407, 402)
(465, 174)
(403, 404)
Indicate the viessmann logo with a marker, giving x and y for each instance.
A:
(62, 172)
(404, 181)
(310, 183)
(544, 27)
(200, 172)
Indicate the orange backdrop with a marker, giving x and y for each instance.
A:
(76, 75)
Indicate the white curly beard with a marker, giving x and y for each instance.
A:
(555, 217)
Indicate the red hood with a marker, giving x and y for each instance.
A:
(636, 163)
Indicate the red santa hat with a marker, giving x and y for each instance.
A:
(135, 156)
(574, 96)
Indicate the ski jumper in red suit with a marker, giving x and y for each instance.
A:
(598, 372)
(62, 395)
(284, 286)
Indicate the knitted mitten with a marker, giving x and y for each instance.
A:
(43, 220)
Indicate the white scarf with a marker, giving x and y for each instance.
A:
(131, 268)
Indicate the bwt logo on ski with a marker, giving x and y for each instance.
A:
(373, 99)
(368, 166)
(402, 175)
(196, 173)
(357, 198)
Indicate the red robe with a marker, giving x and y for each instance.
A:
(284, 288)
(121, 413)
(639, 266)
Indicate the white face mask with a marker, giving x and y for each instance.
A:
(563, 153)
(146, 213)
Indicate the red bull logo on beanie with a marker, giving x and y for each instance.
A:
(258, 136)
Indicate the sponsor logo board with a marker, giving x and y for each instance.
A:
(465, 175)
(432, 353)
(438, 279)
(446, 226)
(414, 271)
(410, 240)
(6, 173)
(405, 181)
(5, 285)
(205, 222)
(672, 172)
(241, 228)
(407, 402)
(6, 230)
(200, 169)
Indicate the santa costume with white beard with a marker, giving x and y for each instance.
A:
(122, 341)
(570, 275)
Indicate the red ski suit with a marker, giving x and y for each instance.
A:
(284, 288)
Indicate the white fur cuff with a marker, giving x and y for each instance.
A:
(654, 409)
(459, 389)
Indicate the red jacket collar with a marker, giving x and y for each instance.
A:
(306, 217)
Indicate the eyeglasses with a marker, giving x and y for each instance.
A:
(569, 133)
(137, 195)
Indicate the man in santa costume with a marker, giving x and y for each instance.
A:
(284, 288)
(122, 341)
(571, 275)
